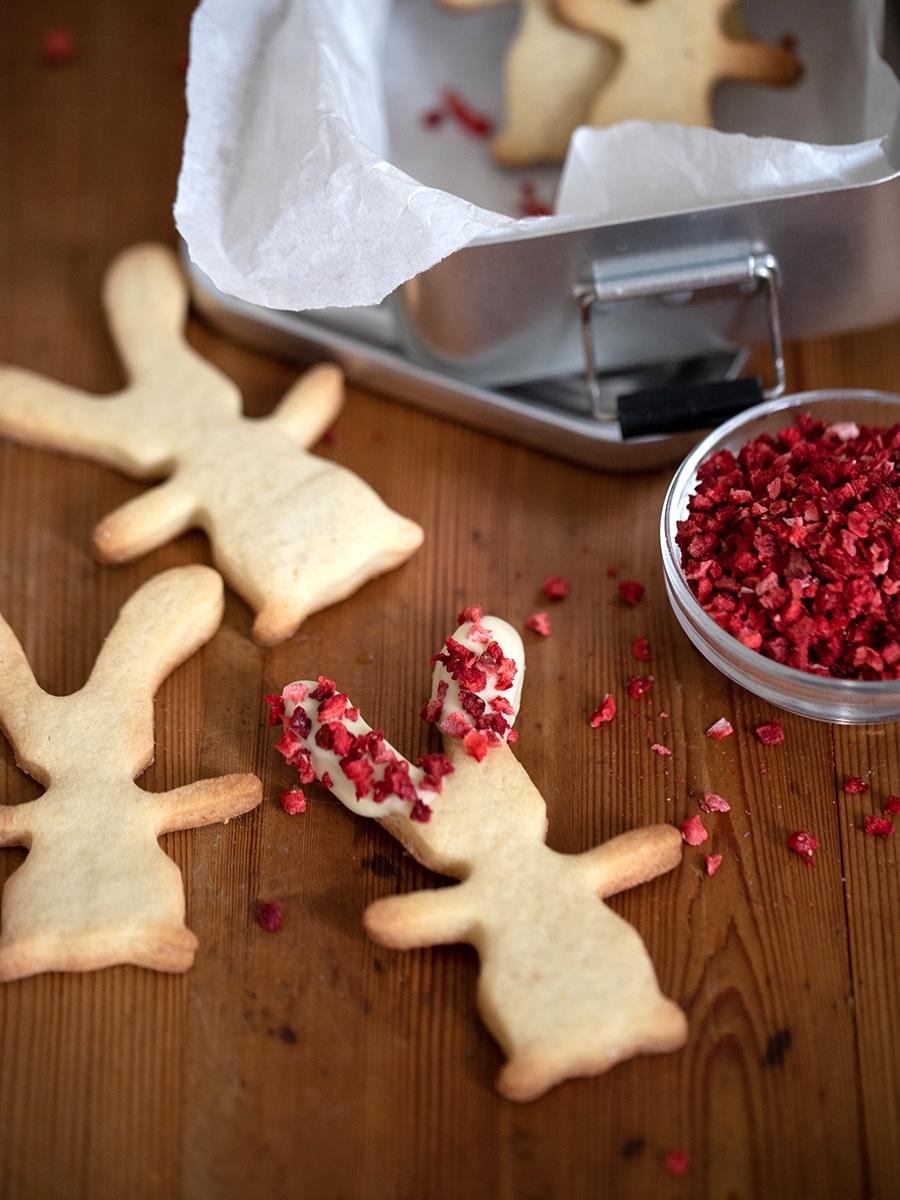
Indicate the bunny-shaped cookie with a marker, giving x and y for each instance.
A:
(96, 888)
(566, 985)
(291, 532)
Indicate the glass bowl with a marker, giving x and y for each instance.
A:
(821, 697)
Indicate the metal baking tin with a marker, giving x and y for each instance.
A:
(536, 337)
(480, 337)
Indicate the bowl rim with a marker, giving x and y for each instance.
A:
(827, 690)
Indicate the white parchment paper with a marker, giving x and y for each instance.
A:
(309, 179)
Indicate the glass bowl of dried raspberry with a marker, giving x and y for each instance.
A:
(780, 537)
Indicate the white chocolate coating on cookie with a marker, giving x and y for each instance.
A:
(387, 782)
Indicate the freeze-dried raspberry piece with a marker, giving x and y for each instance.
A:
(324, 688)
(720, 729)
(770, 734)
(854, 786)
(57, 47)
(276, 708)
(891, 805)
(641, 649)
(473, 613)
(269, 915)
(677, 1163)
(712, 863)
(476, 744)
(293, 801)
(712, 803)
(803, 843)
(605, 712)
(639, 685)
(879, 826)
(539, 622)
(630, 591)
(660, 749)
(693, 831)
(556, 587)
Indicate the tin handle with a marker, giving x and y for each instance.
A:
(748, 273)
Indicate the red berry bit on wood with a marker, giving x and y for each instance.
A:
(771, 734)
(270, 916)
(693, 831)
(879, 826)
(293, 801)
(631, 592)
(641, 649)
(891, 806)
(712, 803)
(712, 862)
(803, 843)
(539, 622)
(677, 1163)
(556, 587)
(793, 547)
(720, 729)
(605, 712)
(855, 786)
(57, 47)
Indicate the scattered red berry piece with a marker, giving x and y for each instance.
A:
(677, 1163)
(293, 801)
(631, 592)
(693, 831)
(57, 47)
(605, 712)
(556, 587)
(641, 649)
(539, 622)
(270, 916)
(879, 826)
(803, 843)
(713, 803)
(771, 734)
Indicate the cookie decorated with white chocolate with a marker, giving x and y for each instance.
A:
(566, 985)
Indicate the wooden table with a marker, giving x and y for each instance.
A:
(312, 1063)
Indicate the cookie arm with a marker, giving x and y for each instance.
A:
(311, 404)
(145, 523)
(631, 858)
(433, 918)
(206, 802)
(15, 829)
(41, 412)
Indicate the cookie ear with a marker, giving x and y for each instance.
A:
(158, 628)
(146, 301)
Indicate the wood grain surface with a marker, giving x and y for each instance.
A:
(310, 1062)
